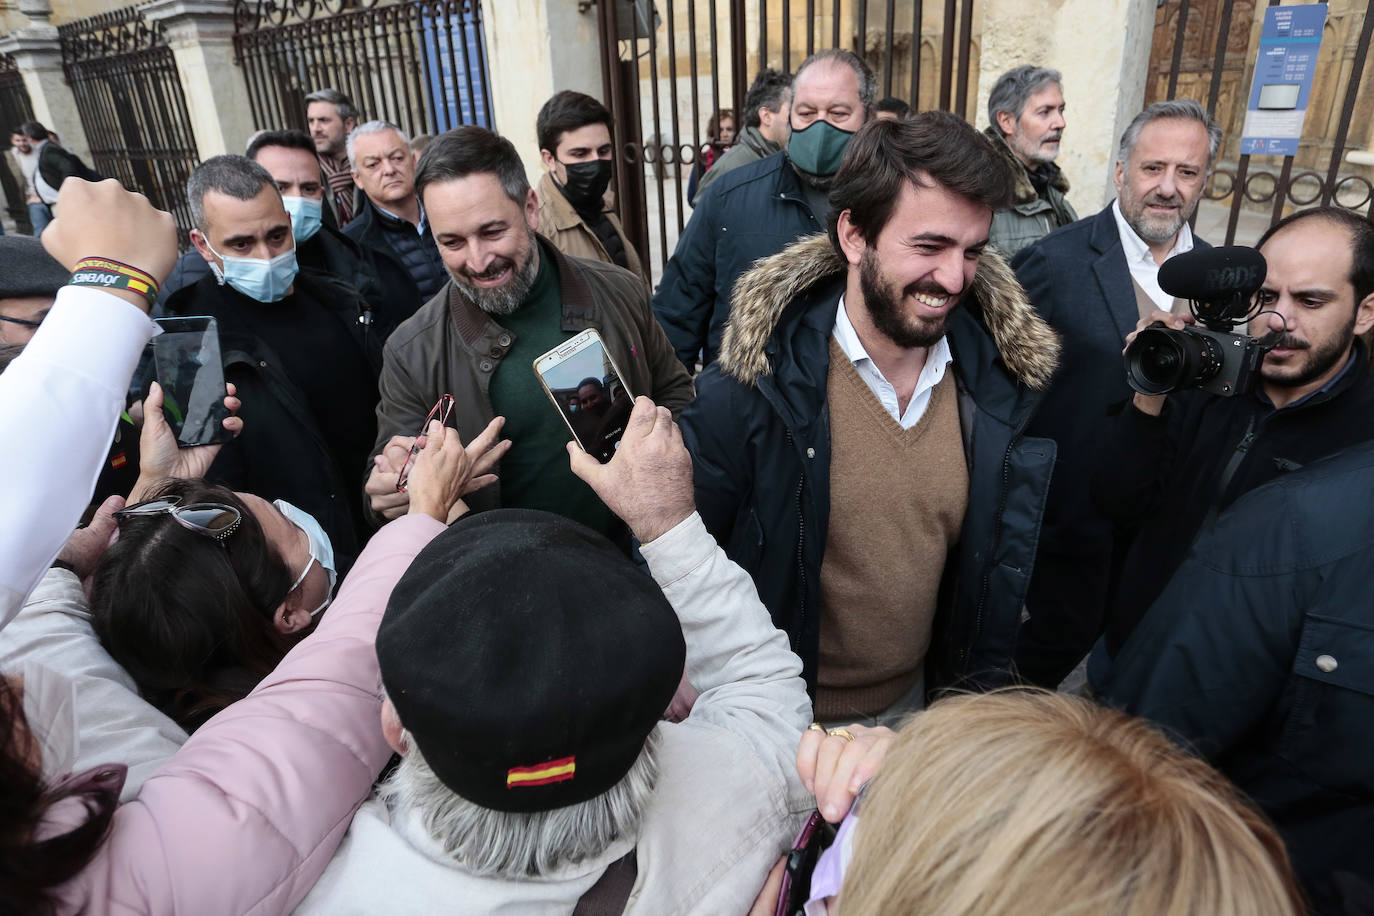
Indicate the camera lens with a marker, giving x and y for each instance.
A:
(1161, 360)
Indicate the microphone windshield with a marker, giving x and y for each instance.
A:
(1213, 274)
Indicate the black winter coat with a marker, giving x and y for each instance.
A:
(283, 453)
(1260, 655)
(1160, 478)
(752, 212)
(759, 435)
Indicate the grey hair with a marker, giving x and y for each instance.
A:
(371, 127)
(517, 845)
(1182, 109)
(1015, 87)
(342, 103)
(868, 83)
(234, 176)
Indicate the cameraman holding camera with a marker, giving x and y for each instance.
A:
(1168, 464)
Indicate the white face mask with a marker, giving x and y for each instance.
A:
(50, 710)
(321, 550)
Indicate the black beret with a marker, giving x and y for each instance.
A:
(528, 659)
(26, 268)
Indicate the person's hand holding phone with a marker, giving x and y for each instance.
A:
(159, 455)
(834, 768)
(648, 483)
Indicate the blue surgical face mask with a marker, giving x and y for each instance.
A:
(819, 147)
(321, 550)
(256, 278)
(306, 217)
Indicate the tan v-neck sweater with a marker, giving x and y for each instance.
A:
(897, 501)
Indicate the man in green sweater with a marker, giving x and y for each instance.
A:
(511, 297)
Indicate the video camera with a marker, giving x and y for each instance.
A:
(1220, 286)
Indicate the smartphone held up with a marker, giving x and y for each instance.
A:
(186, 356)
(585, 386)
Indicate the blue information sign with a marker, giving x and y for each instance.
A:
(1284, 71)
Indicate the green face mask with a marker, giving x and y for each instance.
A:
(819, 147)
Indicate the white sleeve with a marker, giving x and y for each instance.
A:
(739, 661)
(59, 402)
(114, 724)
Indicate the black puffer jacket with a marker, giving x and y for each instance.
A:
(759, 434)
(1260, 655)
(404, 259)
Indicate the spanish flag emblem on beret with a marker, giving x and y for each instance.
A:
(542, 774)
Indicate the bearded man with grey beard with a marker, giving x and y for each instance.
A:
(512, 296)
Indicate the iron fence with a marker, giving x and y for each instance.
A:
(131, 104)
(1207, 45)
(668, 65)
(15, 109)
(420, 64)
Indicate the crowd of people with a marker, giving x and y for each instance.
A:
(808, 637)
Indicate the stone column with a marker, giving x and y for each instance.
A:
(527, 67)
(201, 35)
(1102, 48)
(38, 53)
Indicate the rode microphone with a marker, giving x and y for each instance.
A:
(1219, 282)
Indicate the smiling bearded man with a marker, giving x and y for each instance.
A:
(512, 296)
(859, 438)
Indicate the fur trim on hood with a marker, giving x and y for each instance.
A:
(1029, 346)
(1025, 191)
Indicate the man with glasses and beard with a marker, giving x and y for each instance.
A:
(1167, 465)
(857, 447)
(512, 296)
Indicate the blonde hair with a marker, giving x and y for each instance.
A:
(1027, 802)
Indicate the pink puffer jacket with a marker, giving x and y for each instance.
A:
(248, 813)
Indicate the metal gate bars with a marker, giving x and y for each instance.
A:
(132, 107)
(420, 64)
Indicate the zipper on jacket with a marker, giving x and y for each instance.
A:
(801, 560)
(996, 534)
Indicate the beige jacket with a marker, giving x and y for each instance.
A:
(560, 224)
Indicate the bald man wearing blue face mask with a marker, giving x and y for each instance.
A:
(759, 209)
(302, 348)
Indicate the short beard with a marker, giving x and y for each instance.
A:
(885, 308)
(819, 182)
(1320, 359)
(505, 299)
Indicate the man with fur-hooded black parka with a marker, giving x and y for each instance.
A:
(858, 447)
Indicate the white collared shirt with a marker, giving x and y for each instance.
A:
(1144, 270)
(938, 357)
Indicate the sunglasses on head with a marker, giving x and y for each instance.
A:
(214, 520)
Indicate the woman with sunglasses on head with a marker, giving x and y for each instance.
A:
(199, 598)
(265, 790)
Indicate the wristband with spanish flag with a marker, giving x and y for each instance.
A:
(104, 273)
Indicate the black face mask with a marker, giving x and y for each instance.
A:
(587, 182)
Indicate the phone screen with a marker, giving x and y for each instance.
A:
(187, 358)
(585, 385)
